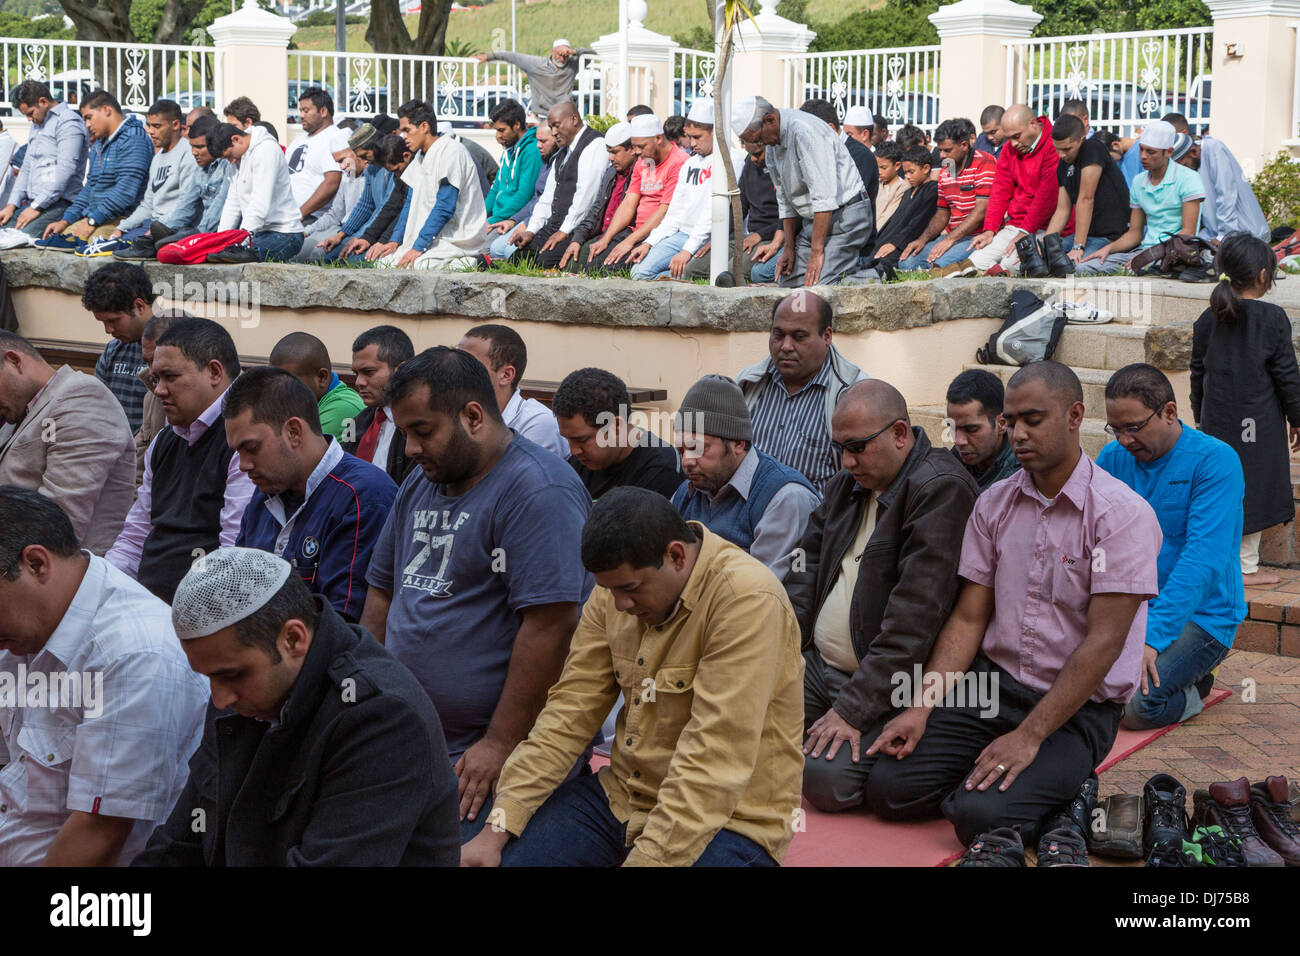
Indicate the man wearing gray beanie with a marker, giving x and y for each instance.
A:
(732, 488)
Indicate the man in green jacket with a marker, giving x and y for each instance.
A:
(308, 360)
(520, 163)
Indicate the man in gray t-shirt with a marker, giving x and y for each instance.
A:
(171, 195)
(550, 78)
(476, 581)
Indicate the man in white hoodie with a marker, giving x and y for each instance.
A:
(260, 198)
(445, 220)
(679, 245)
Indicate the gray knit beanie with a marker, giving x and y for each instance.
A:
(715, 406)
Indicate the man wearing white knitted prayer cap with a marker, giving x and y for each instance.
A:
(654, 180)
(858, 122)
(614, 184)
(678, 247)
(100, 713)
(550, 78)
(319, 748)
(819, 192)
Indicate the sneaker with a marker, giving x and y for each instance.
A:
(1293, 798)
(1083, 313)
(1064, 846)
(103, 246)
(1210, 846)
(997, 270)
(1117, 830)
(1077, 814)
(61, 242)
(14, 239)
(1169, 854)
(1000, 847)
(1165, 818)
(1270, 810)
(1228, 805)
(233, 255)
(963, 268)
(139, 251)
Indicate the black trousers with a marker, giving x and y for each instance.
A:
(930, 781)
(836, 784)
(551, 257)
(596, 265)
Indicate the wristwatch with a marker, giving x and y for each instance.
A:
(91, 220)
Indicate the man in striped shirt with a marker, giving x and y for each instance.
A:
(120, 295)
(965, 184)
(792, 394)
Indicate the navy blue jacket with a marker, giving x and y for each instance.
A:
(334, 533)
(119, 172)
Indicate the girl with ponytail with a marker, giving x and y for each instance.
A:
(1246, 387)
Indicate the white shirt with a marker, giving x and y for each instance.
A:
(121, 747)
(446, 161)
(591, 168)
(386, 430)
(534, 421)
(691, 208)
(311, 157)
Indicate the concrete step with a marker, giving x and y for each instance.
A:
(1107, 346)
(1093, 380)
(931, 417)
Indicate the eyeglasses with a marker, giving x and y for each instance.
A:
(856, 446)
(1128, 429)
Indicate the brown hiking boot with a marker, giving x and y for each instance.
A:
(963, 268)
(1227, 805)
(1271, 811)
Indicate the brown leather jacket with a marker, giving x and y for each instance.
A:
(907, 581)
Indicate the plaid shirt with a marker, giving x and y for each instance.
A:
(119, 368)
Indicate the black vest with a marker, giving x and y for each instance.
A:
(566, 179)
(189, 489)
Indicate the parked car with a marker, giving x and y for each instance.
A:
(1194, 104)
(70, 86)
(190, 99)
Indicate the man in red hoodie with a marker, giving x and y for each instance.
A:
(1024, 192)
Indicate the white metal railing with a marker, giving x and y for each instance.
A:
(900, 84)
(1126, 79)
(692, 78)
(137, 74)
(589, 87)
(362, 84)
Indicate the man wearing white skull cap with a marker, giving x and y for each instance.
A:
(822, 199)
(319, 749)
(550, 78)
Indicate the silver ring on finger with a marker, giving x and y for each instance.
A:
(1001, 769)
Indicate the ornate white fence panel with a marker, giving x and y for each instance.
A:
(900, 84)
(692, 78)
(1127, 79)
(136, 73)
(463, 91)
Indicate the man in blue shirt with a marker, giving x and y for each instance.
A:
(316, 506)
(476, 583)
(1195, 485)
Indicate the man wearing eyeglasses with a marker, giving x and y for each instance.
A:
(1195, 484)
(872, 581)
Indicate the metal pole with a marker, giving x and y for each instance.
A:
(340, 64)
(624, 100)
(514, 43)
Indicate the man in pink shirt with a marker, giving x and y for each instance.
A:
(654, 180)
(1058, 561)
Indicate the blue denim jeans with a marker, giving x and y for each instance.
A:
(575, 827)
(655, 263)
(37, 226)
(1114, 262)
(276, 246)
(921, 261)
(500, 247)
(1180, 665)
(764, 271)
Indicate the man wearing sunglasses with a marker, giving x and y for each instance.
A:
(1195, 484)
(872, 581)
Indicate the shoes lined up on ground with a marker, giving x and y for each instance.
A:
(1117, 830)
(1207, 847)
(1231, 817)
(999, 847)
(1165, 822)
(1082, 313)
(1228, 805)
(1062, 846)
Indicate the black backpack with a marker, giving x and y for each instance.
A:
(1029, 333)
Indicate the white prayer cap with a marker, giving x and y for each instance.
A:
(1159, 135)
(749, 112)
(224, 587)
(560, 42)
(444, 128)
(701, 112)
(858, 116)
(618, 134)
(645, 126)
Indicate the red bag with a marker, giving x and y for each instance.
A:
(1289, 246)
(195, 249)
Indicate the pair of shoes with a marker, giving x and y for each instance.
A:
(1082, 313)
(233, 255)
(1165, 820)
(1207, 847)
(14, 239)
(1063, 838)
(998, 847)
(1272, 814)
(1259, 816)
(103, 246)
(1032, 265)
(963, 268)
(137, 251)
(61, 242)
(1198, 274)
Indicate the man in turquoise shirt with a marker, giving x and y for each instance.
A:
(1165, 199)
(1195, 485)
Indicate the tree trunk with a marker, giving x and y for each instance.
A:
(387, 32)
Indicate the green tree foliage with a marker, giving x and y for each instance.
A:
(46, 28)
(1277, 187)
